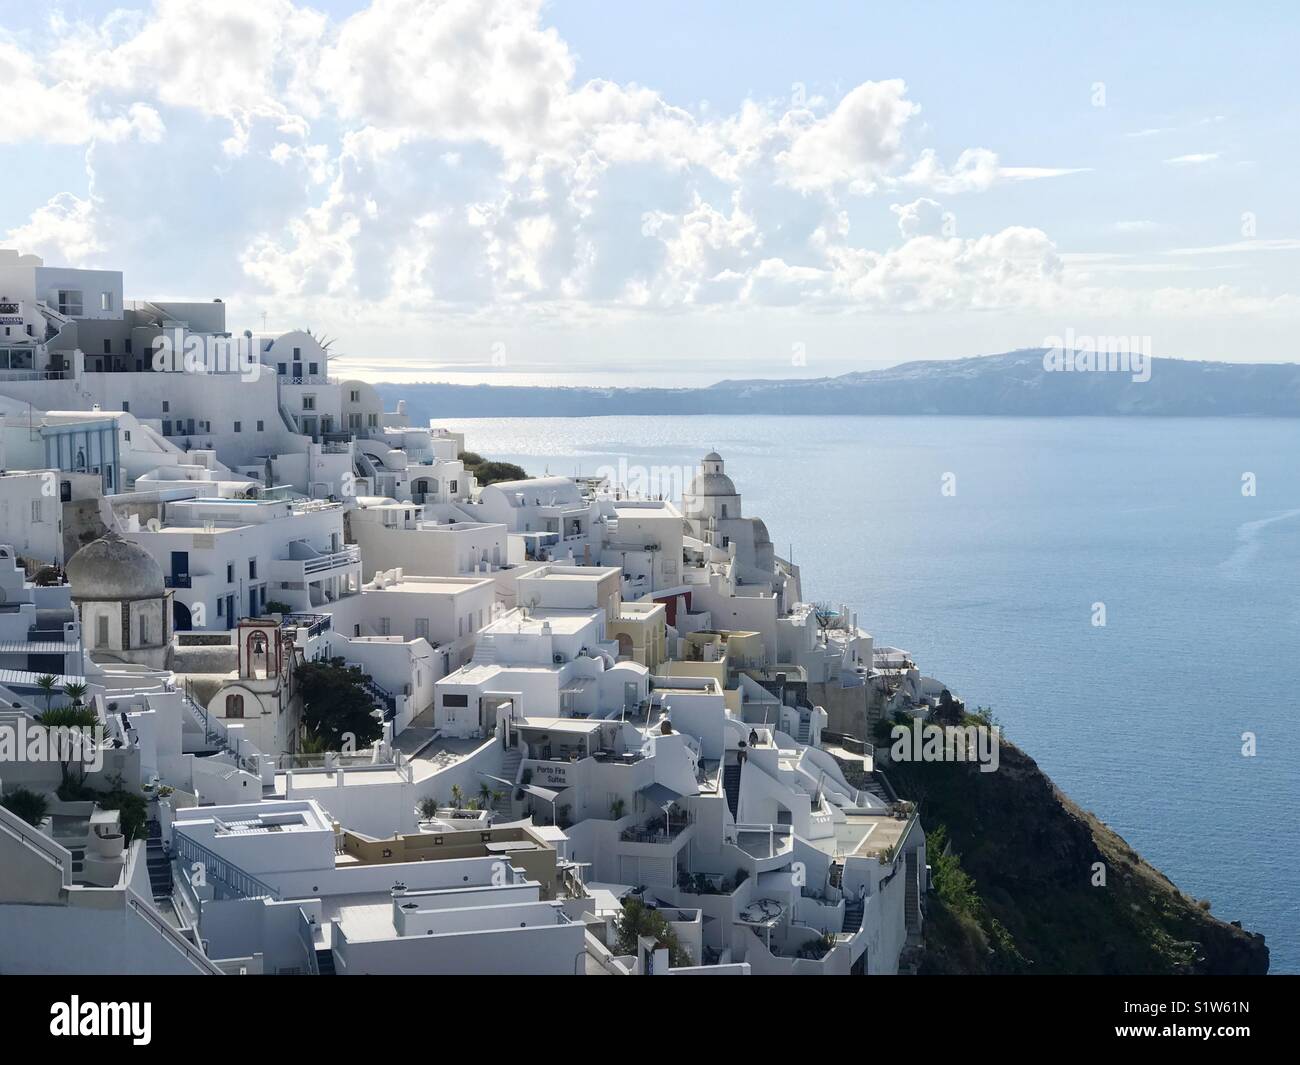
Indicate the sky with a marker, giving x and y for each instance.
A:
(671, 192)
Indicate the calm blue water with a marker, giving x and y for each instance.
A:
(992, 589)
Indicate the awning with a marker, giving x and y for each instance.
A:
(528, 789)
(660, 794)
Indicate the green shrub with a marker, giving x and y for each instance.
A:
(28, 805)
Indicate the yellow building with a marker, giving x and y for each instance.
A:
(641, 630)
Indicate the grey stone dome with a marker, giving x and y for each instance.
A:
(111, 568)
(711, 484)
(712, 456)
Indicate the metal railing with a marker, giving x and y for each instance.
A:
(238, 882)
(306, 933)
(192, 953)
(41, 844)
(344, 557)
(315, 624)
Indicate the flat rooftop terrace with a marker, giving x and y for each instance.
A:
(863, 836)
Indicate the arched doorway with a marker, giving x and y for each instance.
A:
(181, 619)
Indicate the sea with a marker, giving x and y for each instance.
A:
(1123, 593)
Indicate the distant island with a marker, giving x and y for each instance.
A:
(1015, 383)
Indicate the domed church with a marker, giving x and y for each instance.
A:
(122, 602)
(712, 509)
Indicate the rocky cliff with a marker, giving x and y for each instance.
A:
(1015, 891)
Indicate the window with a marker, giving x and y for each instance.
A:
(144, 632)
(166, 406)
(297, 354)
(308, 402)
(385, 627)
(355, 395)
(106, 301)
(450, 700)
(127, 345)
(70, 302)
(311, 368)
(252, 569)
(281, 369)
(126, 407)
(372, 420)
(230, 573)
(236, 426)
(259, 425)
(221, 607)
(101, 631)
(451, 487)
(36, 511)
(234, 706)
(108, 346)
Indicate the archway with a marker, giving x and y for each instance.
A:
(181, 618)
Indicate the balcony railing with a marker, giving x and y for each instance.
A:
(656, 831)
(177, 580)
(313, 623)
(346, 557)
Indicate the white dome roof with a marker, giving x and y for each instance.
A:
(711, 484)
(111, 568)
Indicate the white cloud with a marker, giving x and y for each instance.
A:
(976, 169)
(920, 218)
(62, 230)
(429, 159)
(1276, 244)
(1194, 159)
(854, 145)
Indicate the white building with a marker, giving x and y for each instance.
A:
(429, 539)
(288, 891)
(226, 559)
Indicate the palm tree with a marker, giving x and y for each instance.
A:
(76, 692)
(484, 795)
(46, 682)
(457, 796)
(70, 717)
(29, 805)
(312, 743)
